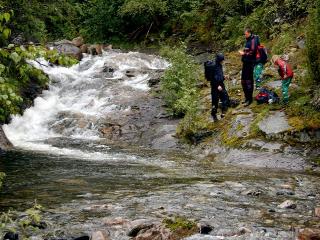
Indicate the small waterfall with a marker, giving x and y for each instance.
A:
(81, 97)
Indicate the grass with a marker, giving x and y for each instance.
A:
(180, 227)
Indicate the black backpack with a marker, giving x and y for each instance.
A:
(209, 68)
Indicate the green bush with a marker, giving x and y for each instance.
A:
(180, 90)
(313, 43)
(2, 176)
(180, 81)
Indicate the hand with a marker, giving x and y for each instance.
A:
(241, 53)
(220, 88)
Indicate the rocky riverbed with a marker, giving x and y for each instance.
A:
(99, 152)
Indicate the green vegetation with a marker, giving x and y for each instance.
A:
(180, 227)
(209, 22)
(2, 176)
(16, 74)
(31, 221)
(180, 81)
(180, 89)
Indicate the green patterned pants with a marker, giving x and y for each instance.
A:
(257, 74)
(285, 89)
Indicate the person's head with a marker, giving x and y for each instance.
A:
(274, 59)
(247, 32)
(219, 57)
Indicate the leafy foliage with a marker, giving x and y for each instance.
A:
(179, 83)
(2, 176)
(313, 43)
(180, 89)
(12, 221)
(41, 20)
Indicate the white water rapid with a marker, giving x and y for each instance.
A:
(81, 96)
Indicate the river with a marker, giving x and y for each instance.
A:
(63, 163)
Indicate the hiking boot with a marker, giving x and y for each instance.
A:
(214, 118)
(247, 103)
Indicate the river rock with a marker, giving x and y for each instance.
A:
(136, 229)
(157, 232)
(18, 40)
(244, 230)
(274, 84)
(84, 48)
(5, 144)
(275, 123)
(301, 43)
(202, 237)
(317, 212)
(78, 41)
(11, 236)
(67, 47)
(204, 228)
(82, 238)
(165, 142)
(95, 49)
(99, 236)
(240, 126)
(309, 234)
(288, 204)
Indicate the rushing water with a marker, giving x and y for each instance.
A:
(83, 183)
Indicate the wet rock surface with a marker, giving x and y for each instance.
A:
(4, 142)
(256, 158)
(274, 124)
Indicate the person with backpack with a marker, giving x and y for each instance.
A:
(261, 59)
(214, 74)
(286, 73)
(248, 57)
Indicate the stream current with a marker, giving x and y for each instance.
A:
(84, 184)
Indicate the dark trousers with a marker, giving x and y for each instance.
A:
(247, 86)
(217, 95)
(247, 80)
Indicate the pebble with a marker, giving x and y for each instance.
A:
(288, 204)
(99, 236)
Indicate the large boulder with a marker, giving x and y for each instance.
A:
(78, 41)
(4, 142)
(309, 234)
(68, 48)
(95, 49)
(274, 124)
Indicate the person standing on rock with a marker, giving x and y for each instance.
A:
(248, 57)
(214, 74)
(286, 74)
